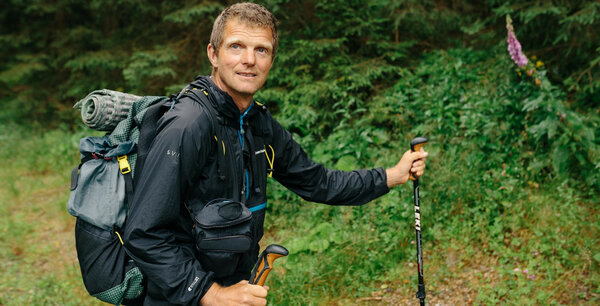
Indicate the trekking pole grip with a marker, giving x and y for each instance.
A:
(415, 145)
(265, 263)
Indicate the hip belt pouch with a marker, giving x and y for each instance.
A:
(223, 233)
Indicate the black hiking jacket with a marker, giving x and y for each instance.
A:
(181, 172)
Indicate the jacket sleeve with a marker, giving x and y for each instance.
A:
(153, 226)
(314, 182)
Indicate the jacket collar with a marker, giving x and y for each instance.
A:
(222, 101)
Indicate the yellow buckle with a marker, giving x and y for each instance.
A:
(124, 164)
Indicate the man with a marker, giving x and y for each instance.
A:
(182, 172)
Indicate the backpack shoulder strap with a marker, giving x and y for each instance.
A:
(147, 128)
(202, 96)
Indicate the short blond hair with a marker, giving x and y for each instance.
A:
(249, 13)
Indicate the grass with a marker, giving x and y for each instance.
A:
(38, 264)
(520, 244)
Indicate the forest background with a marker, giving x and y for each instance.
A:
(510, 197)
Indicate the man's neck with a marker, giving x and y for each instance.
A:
(241, 101)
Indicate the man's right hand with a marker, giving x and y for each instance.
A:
(242, 293)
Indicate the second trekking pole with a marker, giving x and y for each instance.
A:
(415, 145)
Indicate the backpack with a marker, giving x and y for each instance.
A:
(103, 183)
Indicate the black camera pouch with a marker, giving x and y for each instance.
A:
(223, 233)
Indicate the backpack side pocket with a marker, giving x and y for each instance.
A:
(107, 271)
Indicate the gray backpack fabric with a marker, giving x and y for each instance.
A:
(98, 187)
(98, 193)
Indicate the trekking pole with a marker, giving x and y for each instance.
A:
(265, 263)
(415, 145)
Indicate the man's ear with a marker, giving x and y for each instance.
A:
(212, 55)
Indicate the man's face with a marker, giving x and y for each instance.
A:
(243, 61)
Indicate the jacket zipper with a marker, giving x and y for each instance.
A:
(241, 134)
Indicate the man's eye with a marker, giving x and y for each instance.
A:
(235, 46)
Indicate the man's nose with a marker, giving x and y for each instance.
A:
(248, 58)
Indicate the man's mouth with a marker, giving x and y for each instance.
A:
(246, 74)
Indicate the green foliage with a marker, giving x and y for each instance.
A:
(56, 52)
(147, 65)
(512, 177)
(189, 15)
(510, 121)
(564, 34)
(496, 137)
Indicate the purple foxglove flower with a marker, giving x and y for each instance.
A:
(514, 46)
